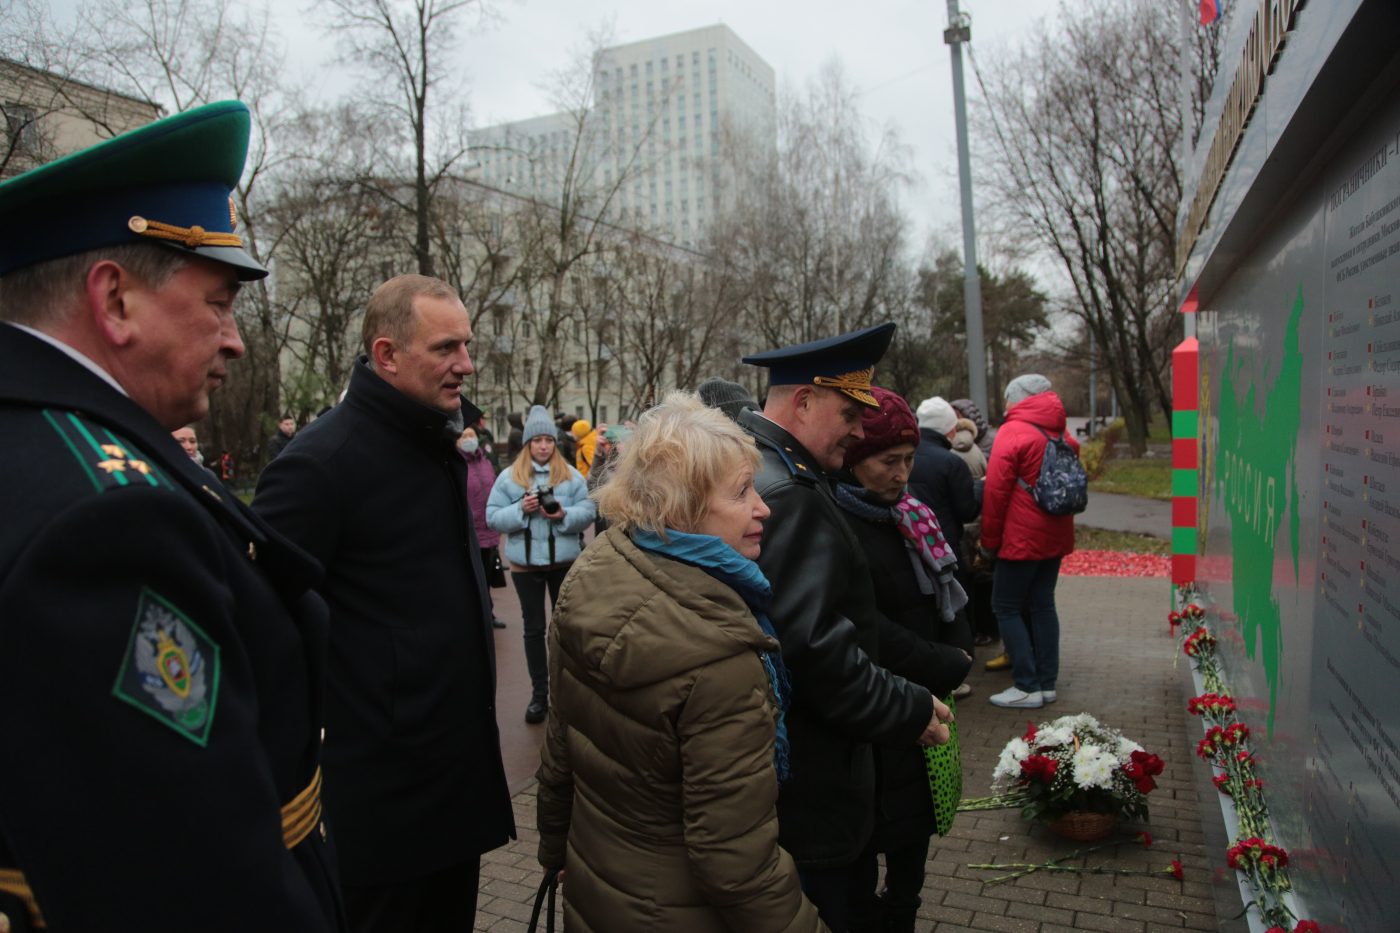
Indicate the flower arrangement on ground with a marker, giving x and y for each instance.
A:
(1075, 764)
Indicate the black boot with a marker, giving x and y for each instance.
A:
(537, 662)
(899, 913)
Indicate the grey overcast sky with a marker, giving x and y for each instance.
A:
(892, 51)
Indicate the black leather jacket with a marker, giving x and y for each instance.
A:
(842, 700)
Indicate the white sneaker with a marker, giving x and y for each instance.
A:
(1013, 698)
(963, 690)
(1048, 696)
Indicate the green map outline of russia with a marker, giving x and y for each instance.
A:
(1260, 464)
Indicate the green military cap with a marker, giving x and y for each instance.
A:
(845, 362)
(167, 182)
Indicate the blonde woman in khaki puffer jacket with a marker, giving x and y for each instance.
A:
(658, 781)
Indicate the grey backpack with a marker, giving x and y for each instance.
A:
(1062, 488)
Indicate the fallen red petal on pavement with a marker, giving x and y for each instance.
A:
(1115, 564)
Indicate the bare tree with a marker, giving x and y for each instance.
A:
(1201, 61)
(407, 45)
(575, 214)
(46, 76)
(597, 311)
(672, 305)
(181, 54)
(335, 239)
(818, 236)
(478, 243)
(1079, 137)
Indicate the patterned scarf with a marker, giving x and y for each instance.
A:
(742, 575)
(930, 556)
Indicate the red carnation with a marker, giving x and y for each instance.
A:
(1146, 839)
(1039, 768)
(1247, 852)
(1207, 747)
(1176, 869)
(1029, 737)
(1141, 770)
(1200, 638)
(1222, 783)
(1307, 926)
(1145, 784)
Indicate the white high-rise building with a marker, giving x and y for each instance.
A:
(665, 115)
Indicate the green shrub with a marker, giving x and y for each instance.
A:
(1095, 453)
(1091, 455)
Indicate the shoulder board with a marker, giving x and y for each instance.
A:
(798, 469)
(109, 460)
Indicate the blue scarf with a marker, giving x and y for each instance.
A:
(742, 575)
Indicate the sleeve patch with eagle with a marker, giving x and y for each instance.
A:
(171, 669)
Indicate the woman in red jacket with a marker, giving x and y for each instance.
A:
(1027, 542)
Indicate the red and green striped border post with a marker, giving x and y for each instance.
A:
(1186, 458)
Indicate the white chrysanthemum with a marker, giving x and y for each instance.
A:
(1076, 723)
(1009, 764)
(1094, 767)
(1052, 736)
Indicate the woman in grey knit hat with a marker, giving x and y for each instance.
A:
(1027, 542)
(541, 505)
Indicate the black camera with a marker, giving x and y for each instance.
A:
(545, 495)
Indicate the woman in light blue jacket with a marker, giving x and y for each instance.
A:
(540, 505)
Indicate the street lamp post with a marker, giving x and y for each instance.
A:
(959, 31)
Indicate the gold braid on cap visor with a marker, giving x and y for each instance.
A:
(192, 237)
(856, 385)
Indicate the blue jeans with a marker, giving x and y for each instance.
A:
(1028, 586)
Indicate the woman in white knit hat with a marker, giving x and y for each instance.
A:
(941, 479)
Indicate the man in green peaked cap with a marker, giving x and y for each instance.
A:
(161, 652)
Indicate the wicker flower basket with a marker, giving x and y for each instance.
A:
(1084, 826)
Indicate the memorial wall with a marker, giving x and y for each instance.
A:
(1296, 277)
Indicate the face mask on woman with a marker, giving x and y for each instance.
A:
(468, 445)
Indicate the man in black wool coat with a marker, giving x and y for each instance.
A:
(375, 490)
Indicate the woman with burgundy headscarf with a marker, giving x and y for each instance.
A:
(912, 568)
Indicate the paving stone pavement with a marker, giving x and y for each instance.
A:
(1116, 664)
